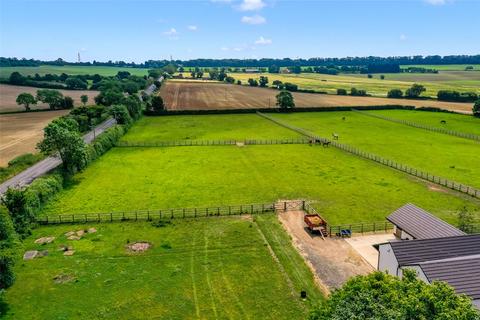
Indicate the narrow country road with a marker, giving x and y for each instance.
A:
(27, 176)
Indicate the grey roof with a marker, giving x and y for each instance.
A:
(420, 224)
(463, 274)
(416, 251)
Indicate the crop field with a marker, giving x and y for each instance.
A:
(9, 94)
(20, 132)
(460, 78)
(447, 67)
(206, 127)
(455, 122)
(181, 95)
(73, 70)
(206, 268)
(439, 154)
(374, 86)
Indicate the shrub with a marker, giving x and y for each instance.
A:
(105, 141)
(341, 92)
(450, 95)
(253, 82)
(395, 93)
(290, 86)
(358, 92)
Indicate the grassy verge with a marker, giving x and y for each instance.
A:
(19, 164)
(207, 268)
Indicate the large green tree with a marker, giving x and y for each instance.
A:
(53, 98)
(26, 99)
(476, 108)
(382, 296)
(120, 114)
(84, 99)
(109, 97)
(62, 136)
(157, 104)
(415, 91)
(285, 100)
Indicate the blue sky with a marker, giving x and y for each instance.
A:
(155, 29)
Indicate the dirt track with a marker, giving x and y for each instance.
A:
(8, 95)
(211, 96)
(20, 132)
(333, 260)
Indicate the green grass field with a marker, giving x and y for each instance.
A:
(374, 86)
(44, 69)
(206, 127)
(347, 189)
(439, 154)
(456, 122)
(217, 268)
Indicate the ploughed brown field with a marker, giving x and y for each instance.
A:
(8, 95)
(183, 95)
(20, 132)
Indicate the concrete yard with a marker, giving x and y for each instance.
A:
(363, 245)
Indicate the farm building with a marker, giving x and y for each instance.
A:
(411, 222)
(453, 259)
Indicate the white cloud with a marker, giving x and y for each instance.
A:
(252, 5)
(263, 41)
(171, 34)
(192, 28)
(224, 48)
(403, 37)
(437, 2)
(256, 19)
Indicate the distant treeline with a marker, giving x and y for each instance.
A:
(265, 63)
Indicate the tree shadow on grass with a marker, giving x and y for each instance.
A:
(4, 307)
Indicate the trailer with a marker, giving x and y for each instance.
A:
(315, 223)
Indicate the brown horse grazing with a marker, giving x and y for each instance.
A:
(335, 136)
(326, 143)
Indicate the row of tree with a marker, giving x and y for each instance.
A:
(130, 82)
(53, 98)
(266, 62)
